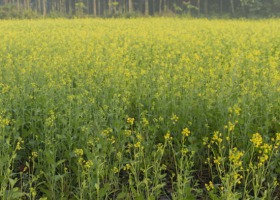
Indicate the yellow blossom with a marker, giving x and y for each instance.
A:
(115, 170)
(34, 154)
(127, 167)
(209, 186)
(88, 164)
(186, 132)
(130, 120)
(256, 140)
(235, 157)
(174, 118)
(145, 122)
(167, 136)
(79, 152)
(137, 145)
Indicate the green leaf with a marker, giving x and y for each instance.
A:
(47, 192)
(188, 192)
(58, 177)
(277, 169)
(12, 182)
(59, 162)
(16, 193)
(158, 186)
(133, 191)
(213, 196)
(104, 190)
(122, 195)
(152, 197)
(140, 197)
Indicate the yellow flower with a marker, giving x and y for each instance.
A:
(137, 145)
(205, 140)
(34, 154)
(19, 143)
(112, 139)
(237, 109)
(115, 170)
(217, 137)
(256, 140)
(184, 151)
(127, 167)
(18, 147)
(127, 133)
(79, 152)
(50, 120)
(130, 121)
(145, 122)
(267, 148)
(235, 157)
(4, 122)
(231, 126)
(186, 132)
(217, 160)
(209, 186)
(167, 136)
(88, 164)
(174, 118)
(106, 132)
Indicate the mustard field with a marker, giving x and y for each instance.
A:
(139, 109)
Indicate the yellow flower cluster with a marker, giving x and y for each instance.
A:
(235, 157)
(86, 164)
(19, 143)
(145, 122)
(4, 122)
(186, 132)
(237, 177)
(257, 139)
(130, 120)
(34, 154)
(230, 126)
(174, 118)
(115, 170)
(209, 186)
(127, 167)
(265, 150)
(137, 144)
(236, 109)
(107, 132)
(217, 137)
(127, 133)
(79, 152)
(218, 160)
(184, 151)
(168, 137)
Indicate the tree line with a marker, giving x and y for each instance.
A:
(133, 8)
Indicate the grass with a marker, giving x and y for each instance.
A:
(139, 109)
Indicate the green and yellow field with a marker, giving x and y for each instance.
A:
(139, 109)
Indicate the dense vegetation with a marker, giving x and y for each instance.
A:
(134, 8)
(139, 109)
